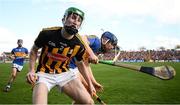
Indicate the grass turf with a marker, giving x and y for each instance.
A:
(121, 86)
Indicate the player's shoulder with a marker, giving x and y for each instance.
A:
(51, 28)
(24, 48)
(21, 48)
(14, 49)
(93, 39)
(92, 36)
(79, 38)
(49, 31)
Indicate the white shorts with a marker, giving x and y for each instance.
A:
(18, 67)
(75, 70)
(51, 80)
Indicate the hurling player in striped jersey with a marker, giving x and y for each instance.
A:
(58, 46)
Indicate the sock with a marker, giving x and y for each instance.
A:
(9, 84)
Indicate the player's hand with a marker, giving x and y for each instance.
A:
(12, 57)
(93, 59)
(98, 87)
(31, 77)
(92, 90)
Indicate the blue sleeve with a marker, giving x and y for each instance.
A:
(26, 50)
(12, 51)
(95, 43)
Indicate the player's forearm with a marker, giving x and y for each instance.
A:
(12, 56)
(31, 76)
(32, 59)
(91, 76)
(83, 70)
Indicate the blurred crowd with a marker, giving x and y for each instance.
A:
(131, 56)
(143, 56)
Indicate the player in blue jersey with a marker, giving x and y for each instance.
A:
(94, 47)
(17, 54)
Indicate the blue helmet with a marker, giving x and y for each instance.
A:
(112, 38)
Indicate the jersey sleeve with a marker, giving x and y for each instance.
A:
(79, 56)
(41, 39)
(26, 51)
(94, 43)
(12, 51)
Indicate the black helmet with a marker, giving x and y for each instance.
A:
(112, 38)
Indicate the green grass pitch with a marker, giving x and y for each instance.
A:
(121, 86)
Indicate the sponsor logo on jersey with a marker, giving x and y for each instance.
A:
(64, 44)
(57, 57)
(52, 43)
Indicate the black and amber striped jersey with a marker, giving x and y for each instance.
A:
(57, 51)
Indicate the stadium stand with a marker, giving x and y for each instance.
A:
(127, 56)
(146, 56)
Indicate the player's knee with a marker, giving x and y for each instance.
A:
(13, 75)
(88, 101)
(91, 101)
